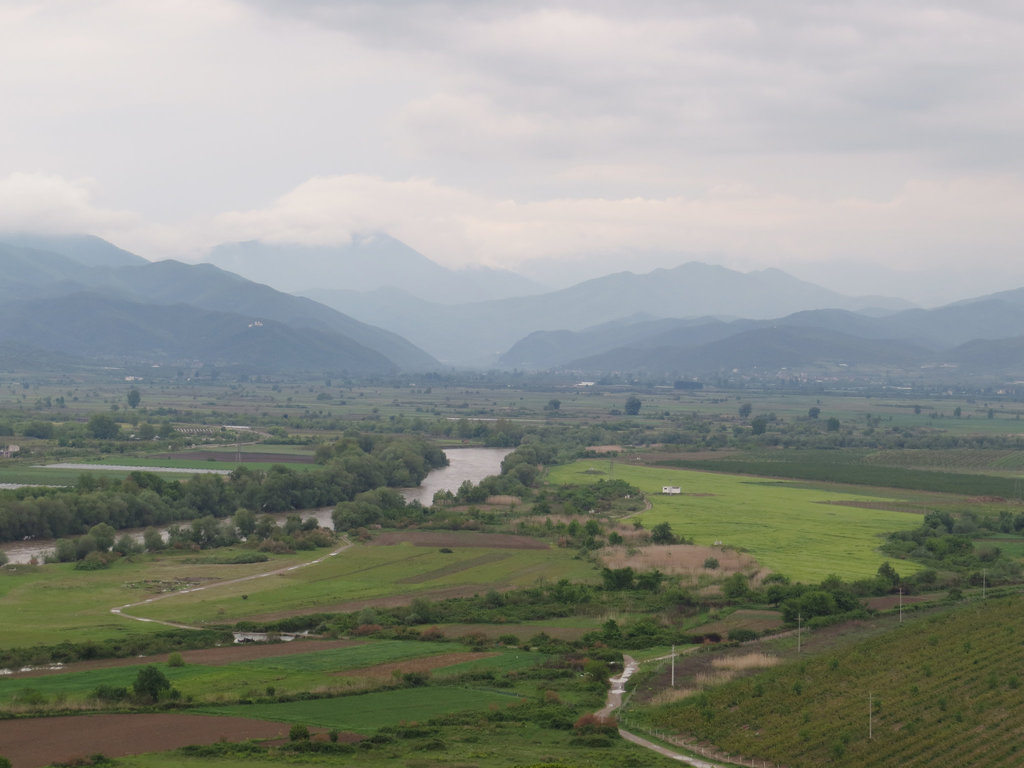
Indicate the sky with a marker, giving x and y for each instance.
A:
(869, 146)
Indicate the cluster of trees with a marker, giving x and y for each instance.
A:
(946, 541)
(100, 426)
(146, 499)
(101, 546)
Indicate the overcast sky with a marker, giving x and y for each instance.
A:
(870, 146)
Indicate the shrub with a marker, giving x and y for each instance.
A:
(742, 635)
(110, 693)
(175, 660)
(298, 733)
(150, 683)
(711, 563)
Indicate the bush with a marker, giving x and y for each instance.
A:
(150, 683)
(175, 660)
(109, 693)
(741, 635)
(298, 733)
(711, 563)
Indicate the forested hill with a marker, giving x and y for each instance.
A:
(102, 304)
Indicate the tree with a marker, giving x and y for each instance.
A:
(832, 425)
(152, 539)
(553, 405)
(813, 412)
(633, 406)
(102, 427)
(662, 534)
(758, 425)
(150, 683)
(245, 519)
(134, 397)
(104, 534)
(745, 410)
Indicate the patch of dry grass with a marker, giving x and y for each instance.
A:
(679, 560)
(755, 660)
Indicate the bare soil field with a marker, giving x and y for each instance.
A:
(759, 621)
(458, 539)
(893, 601)
(424, 665)
(522, 631)
(29, 743)
(233, 457)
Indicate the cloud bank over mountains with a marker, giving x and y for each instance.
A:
(827, 140)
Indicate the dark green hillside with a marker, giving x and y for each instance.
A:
(945, 690)
(770, 348)
(102, 328)
(49, 285)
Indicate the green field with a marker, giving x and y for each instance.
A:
(373, 572)
(336, 669)
(366, 713)
(49, 604)
(805, 533)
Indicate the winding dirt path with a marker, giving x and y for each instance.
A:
(121, 610)
(614, 701)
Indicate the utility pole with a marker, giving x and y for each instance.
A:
(673, 665)
(901, 603)
(984, 579)
(870, 713)
(799, 619)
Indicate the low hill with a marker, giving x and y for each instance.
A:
(943, 690)
(759, 348)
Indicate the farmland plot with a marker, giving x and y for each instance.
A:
(801, 532)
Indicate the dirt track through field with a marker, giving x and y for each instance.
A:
(29, 743)
(120, 610)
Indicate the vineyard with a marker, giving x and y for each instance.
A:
(943, 690)
(946, 473)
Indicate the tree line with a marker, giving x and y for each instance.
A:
(348, 467)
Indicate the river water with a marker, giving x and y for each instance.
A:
(463, 464)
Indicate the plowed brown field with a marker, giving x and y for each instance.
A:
(45, 740)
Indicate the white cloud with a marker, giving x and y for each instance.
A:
(51, 204)
(758, 134)
(923, 224)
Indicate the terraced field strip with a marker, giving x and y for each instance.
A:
(365, 714)
(448, 570)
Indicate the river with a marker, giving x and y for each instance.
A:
(463, 464)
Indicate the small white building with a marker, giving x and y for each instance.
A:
(671, 490)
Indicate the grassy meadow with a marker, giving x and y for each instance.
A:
(803, 532)
(354, 667)
(366, 573)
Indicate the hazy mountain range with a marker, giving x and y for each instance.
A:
(84, 298)
(391, 309)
